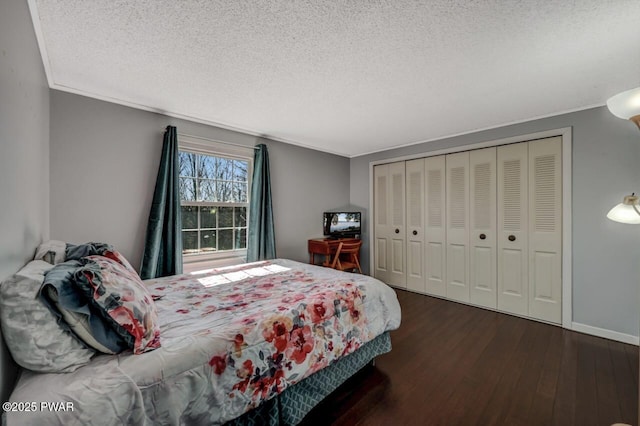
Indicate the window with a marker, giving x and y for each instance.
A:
(214, 194)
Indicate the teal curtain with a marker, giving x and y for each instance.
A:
(261, 242)
(163, 243)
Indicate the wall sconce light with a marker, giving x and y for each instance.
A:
(627, 211)
(626, 105)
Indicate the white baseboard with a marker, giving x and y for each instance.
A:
(607, 334)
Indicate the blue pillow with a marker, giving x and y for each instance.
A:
(58, 292)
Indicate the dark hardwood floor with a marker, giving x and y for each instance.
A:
(453, 364)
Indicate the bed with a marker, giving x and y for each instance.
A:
(257, 343)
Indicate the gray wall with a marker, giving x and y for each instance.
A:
(104, 162)
(24, 151)
(305, 183)
(606, 155)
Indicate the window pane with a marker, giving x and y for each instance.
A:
(206, 166)
(240, 192)
(187, 164)
(240, 170)
(187, 189)
(207, 241)
(224, 191)
(240, 216)
(224, 171)
(207, 190)
(208, 217)
(189, 217)
(241, 238)
(189, 242)
(226, 239)
(225, 217)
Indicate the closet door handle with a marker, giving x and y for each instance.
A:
(483, 236)
(415, 232)
(512, 237)
(397, 231)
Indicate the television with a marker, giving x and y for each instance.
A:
(341, 224)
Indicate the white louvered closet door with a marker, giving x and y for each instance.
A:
(513, 260)
(545, 233)
(415, 225)
(397, 258)
(381, 222)
(457, 186)
(389, 226)
(482, 236)
(435, 225)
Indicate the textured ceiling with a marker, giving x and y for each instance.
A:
(347, 77)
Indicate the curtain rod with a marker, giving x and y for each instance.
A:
(217, 141)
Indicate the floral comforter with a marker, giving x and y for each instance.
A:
(231, 338)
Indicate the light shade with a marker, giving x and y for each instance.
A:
(627, 211)
(626, 105)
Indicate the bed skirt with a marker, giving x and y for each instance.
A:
(295, 402)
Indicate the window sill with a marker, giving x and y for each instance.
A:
(201, 266)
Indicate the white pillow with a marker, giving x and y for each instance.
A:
(51, 251)
(30, 329)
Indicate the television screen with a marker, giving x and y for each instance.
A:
(339, 224)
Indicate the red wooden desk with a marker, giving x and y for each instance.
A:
(325, 247)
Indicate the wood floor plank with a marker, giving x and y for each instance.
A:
(497, 408)
(564, 406)
(546, 388)
(606, 389)
(632, 355)
(488, 373)
(518, 410)
(626, 390)
(453, 364)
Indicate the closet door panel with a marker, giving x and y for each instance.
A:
(457, 190)
(457, 273)
(512, 236)
(381, 258)
(545, 229)
(482, 237)
(435, 225)
(398, 260)
(415, 276)
(415, 224)
(436, 268)
(482, 269)
(513, 284)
